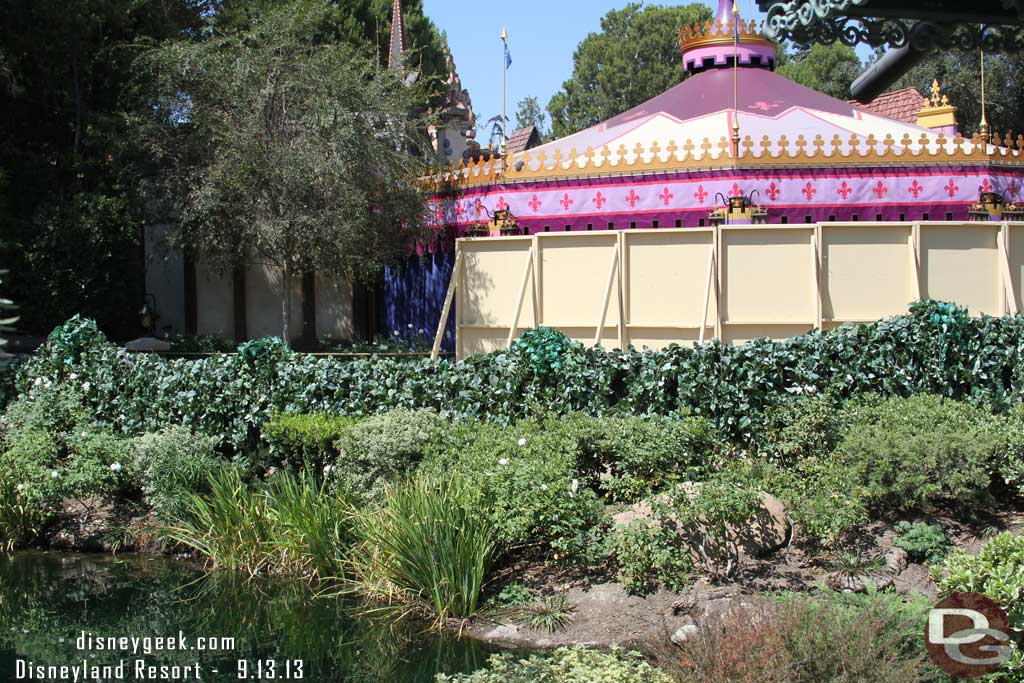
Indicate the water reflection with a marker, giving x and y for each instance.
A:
(48, 599)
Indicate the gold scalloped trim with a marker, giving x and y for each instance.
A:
(781, 153)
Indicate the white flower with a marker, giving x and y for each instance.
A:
(327, 469)
(421, 330)
(37, 381)
(53, 474)
(85, 434)
(21, 487)
(574, 487)
(522, 442)
(554, 518)
(503, 461)
(395, 333)
(73, 375)
(115, 466)
(543, 487)
(85, 386)
(409, 326)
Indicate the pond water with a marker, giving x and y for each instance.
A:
(59, 610)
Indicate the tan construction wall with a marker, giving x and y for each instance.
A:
(650, 288)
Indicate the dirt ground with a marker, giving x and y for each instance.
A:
(605, 614)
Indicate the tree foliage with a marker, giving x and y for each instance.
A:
(530, 113)
(73, 228)
(633, 58)
(959, 74)
(285, 151)
(830, 69)
(365, 25)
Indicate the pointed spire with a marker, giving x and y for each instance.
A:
(397, 42)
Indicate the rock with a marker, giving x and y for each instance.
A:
(767, 532)
(147, 344)
(502, 632)
(896, 560)
(857, 583)
(684, 633)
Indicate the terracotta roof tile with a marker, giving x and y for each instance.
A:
(901, 105)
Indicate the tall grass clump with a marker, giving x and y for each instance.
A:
(229, 526)
(291, 525)
(312, 526)
(426, 550)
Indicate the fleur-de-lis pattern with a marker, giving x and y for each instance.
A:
(688, 198)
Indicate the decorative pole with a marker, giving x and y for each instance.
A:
(984, 121)
(504, 94)
(735, 80)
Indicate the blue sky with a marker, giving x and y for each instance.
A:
(542, 37)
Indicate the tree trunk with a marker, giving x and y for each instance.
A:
(286, 302)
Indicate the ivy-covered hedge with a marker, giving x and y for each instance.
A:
(936, 349)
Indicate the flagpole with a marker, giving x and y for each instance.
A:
(735, 80)
(504, 92)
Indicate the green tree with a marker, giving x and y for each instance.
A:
(530, 113)
(633, 58)
(74, 210)
(365, 25)
(284, 151)
(830, 69)
(959, 75)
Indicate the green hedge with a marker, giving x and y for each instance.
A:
(937, 349)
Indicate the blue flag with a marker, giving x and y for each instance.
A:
(508, 57)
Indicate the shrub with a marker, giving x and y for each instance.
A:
(647, 552)
(523, 480)
(381, 449)
(824, 500)
(935, 349)
(20, 517)
(641, 455)
(920, 451)
(806, 426)
(805, 640)
(305, 440)
(1011, 465)
(996, 571)
(922, 541)
(427, 548)
(575, 664)
(721, 507)
(171, 465)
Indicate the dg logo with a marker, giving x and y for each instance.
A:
(968, 635)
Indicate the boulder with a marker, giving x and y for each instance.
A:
(684, 633)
